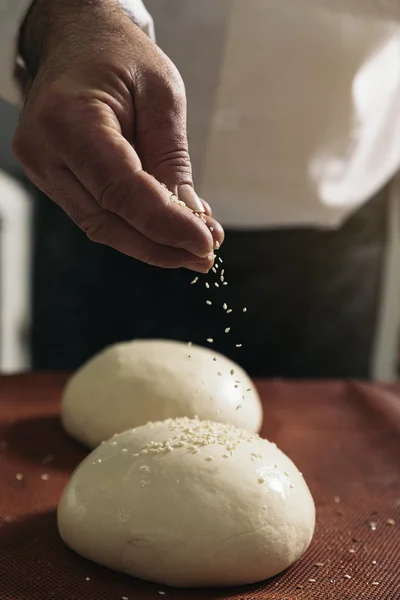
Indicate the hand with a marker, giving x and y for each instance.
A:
(104, 124)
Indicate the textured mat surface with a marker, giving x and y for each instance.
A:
(345, 438)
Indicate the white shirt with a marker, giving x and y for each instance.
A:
(294, 105)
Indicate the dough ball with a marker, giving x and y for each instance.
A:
(132, 383)
(188, 503)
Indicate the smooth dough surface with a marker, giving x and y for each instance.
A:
(190, 504)
(129, 384)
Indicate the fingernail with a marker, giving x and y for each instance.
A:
(187, 195)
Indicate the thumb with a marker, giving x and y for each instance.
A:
(161, 133)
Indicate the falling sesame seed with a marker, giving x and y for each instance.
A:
(220, 259)
(319, 564)
(261, 480)
(225, 306)
(209, 458)
(347, 576)
(125, 598)
(215, 359)
(227, 330)
(228, 311)
(44, 476)
(372, 525)
(336, 499)
(239, 345)
(248, 390)
(352, 551)
(225, 283)
(208, 302)
(189, 356)
(210, 340)
(312, 580)
(87, 578)
(19, 476)
(216, 284)
(375, 583)
(238, 406)
(219, 374)
(373, 562)
(391, 522)
(245, 309)
(236, 385)
(222, 278)
(232, 371)
(207, 285)
(225, 455)
(195, 280)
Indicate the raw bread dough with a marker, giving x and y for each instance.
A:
(188, 503)
(132, 383)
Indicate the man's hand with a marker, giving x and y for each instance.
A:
(103, 124)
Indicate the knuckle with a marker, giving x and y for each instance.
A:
(96, 229)
(113, 196)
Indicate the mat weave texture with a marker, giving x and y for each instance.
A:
(344, 437)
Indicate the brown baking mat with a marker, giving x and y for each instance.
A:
(342, 436)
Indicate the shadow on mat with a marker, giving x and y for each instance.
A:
(42, 440)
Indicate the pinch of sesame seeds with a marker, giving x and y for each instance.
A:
(227, 329)
(216, 284)
(195, 280)
(208, 302)
(207, 285)
(44, 476)
(210, 340)
(19, 476)
(391, 522)
(225, 306)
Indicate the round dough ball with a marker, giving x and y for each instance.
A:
(188, 503)
(132, 383)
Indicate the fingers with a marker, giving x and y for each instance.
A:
(107, 228)
(110, 170)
